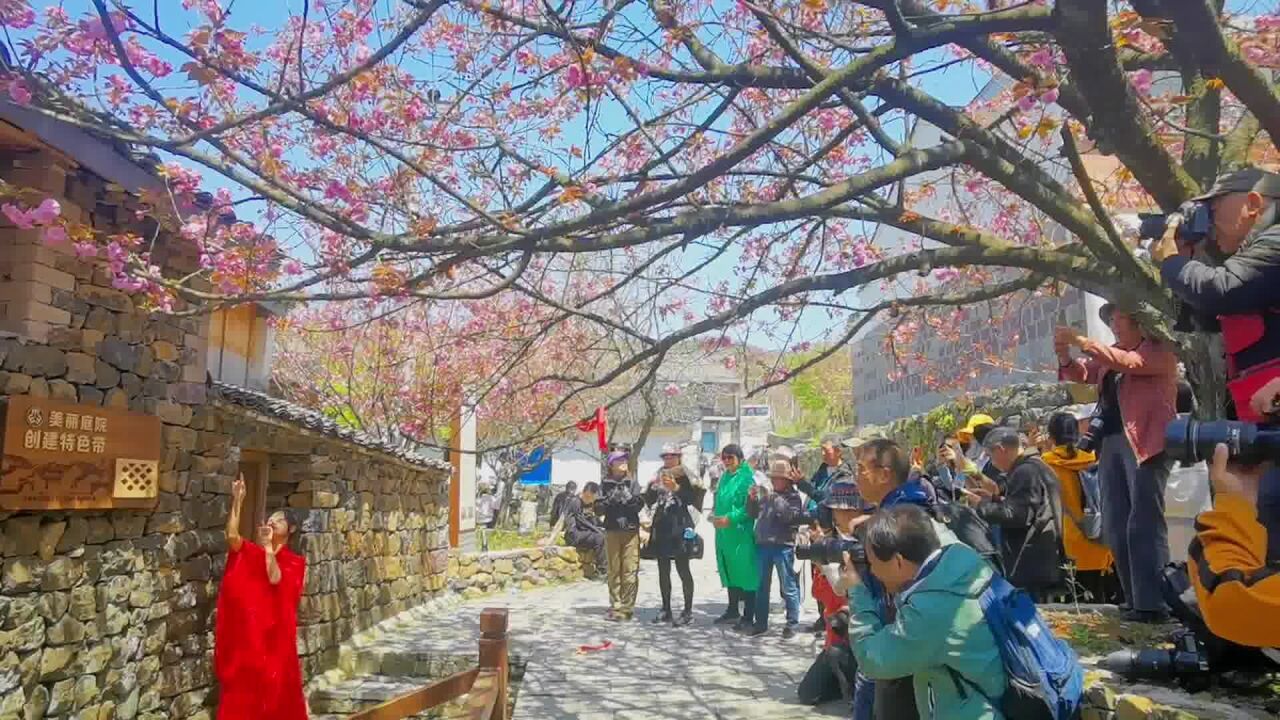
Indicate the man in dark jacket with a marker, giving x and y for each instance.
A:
(561, 498)
(778, 514)
(1245, 233)
(581, 529)
(620, 504)
(1028, 509)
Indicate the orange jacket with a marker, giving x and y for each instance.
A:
(1239, 591)
(1085, 553)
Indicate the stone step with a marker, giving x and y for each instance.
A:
(405, 662)
(350, 696)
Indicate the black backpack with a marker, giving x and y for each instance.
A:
(970, 529)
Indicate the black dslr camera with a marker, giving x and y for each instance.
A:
(832, 550)
(1195, 226)
(1198, 658)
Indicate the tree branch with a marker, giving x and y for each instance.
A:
(1084, 33)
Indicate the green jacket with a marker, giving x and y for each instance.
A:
(736, 544)
(939, 625)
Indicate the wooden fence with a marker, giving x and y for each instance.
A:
(485, 687)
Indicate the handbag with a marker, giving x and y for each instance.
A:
(647, 552)
(694, 547)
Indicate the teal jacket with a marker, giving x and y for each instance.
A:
(939, 625)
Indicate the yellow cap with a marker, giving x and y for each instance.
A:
(974, 422)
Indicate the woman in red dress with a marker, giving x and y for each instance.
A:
(255, 651)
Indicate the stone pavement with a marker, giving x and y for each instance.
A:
(650, 671)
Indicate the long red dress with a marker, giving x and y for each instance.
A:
(255, 652)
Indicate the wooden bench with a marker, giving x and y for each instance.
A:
(485, 686)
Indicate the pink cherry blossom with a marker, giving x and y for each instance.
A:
(19, 217)
(19, 92)
(1141, 81)
(47, 211)
(85, 250)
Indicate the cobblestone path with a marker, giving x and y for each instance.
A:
(650, 672)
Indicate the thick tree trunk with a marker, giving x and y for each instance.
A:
(1207, 372)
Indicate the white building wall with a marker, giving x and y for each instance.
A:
(580, 461)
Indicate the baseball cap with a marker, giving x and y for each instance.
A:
(671, 449)
(1003, 436)
(974, 422)
(1248, 179)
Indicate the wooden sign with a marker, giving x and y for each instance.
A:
(63, 456)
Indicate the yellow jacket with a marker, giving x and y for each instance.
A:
(1239, 592)
(1085, 553)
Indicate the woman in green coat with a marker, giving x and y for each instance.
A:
(735, 538)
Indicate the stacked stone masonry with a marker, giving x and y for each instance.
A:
(110, 614)
(474, 574)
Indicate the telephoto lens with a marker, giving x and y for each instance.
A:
(1187, 662)
(1191, 441)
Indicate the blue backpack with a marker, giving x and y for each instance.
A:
(1046, 681)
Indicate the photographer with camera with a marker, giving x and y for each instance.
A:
(1235, 559)
(832, 673)
(1137, 380)
(884, 481)
(936, 636)
(1243, 293)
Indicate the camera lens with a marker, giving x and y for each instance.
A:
(1188, 440)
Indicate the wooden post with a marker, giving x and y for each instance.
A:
(493, 655)
(455, 481)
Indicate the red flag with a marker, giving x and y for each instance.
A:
(600, 424)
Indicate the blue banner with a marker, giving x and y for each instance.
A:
(538, 468)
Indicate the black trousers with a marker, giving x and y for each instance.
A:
(744, 600)
(895, 700)
(592, 546)
(830, 677)
(1102, 587)
(664, 581)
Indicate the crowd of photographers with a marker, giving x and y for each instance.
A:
(926, 574)
(915, 564)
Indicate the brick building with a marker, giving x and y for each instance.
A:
(108, 612)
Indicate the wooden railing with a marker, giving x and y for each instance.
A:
(485, 687)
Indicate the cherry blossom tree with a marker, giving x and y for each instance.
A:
(644, 174)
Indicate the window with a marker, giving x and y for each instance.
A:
(240, 346)
(710, 442)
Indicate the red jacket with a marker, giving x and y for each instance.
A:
(1148, 393)
(832, 603)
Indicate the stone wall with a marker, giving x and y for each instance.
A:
(475, 574)
(109, 614)
(105, 612)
